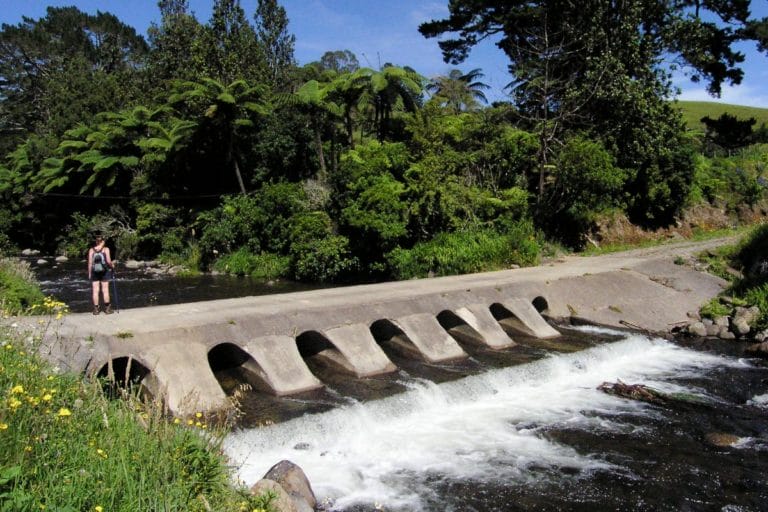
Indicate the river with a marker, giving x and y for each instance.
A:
(520, 429)
(536, 434)
(68, 282)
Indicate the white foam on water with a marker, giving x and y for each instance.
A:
(484, 428)
(759, 401)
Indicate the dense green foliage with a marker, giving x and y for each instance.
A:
(207, 146)
(750, 258)
(65, 446)
(18, 289)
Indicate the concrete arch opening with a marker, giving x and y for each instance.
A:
(125, 375)
(320, 354)
(236, 371)
(518, 316)
(541, 305)
(393, 340)
(459, 329)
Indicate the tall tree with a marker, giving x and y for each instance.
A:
(64, 68)
(225, 114)
(682, 28)
(388, 90)
(175, 43)
(231, 51)
(459, 91)
(340, 61)
(275, 41)
(603, 61)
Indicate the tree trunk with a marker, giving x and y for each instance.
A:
(236, 166)
(320, 155)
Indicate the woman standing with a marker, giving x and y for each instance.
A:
(99, 261)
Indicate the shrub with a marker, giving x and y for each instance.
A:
(19, 291)
(260, 266)
(114, 226)
(323, 260)
(465, 252)
(714, 308)
(158, 229)
(752, 255)
(257, 222)
(758, 296)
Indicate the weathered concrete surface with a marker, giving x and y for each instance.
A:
(359, 353)
(279, 365)
(641, 287)
(479, 318)
(527, 320)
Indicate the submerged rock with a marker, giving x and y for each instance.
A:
(758, 349)
(633, 391)
(721, 439)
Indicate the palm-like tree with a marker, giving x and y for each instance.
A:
(106, 155)
(392, 89)
(458, 91)
(224, 114)
(315, 96)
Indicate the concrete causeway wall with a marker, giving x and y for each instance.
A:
(176, 350)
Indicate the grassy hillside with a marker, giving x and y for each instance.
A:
(693, 111)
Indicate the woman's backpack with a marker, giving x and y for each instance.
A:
(98, 265)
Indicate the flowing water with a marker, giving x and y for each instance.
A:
(533, 433)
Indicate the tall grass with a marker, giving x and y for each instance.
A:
(18, 287)
(466, 252)
(259, 266)
(65, 446)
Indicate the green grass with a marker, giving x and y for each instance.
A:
(262, 266)
(698, 236)
(65, 446)
(693, 111)
(750, 290)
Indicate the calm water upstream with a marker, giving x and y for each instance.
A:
(68, 282)
(520, 429)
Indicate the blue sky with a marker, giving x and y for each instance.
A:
(379, 32)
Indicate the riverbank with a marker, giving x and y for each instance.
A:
(65, 445)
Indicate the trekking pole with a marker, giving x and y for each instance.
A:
(114, 287)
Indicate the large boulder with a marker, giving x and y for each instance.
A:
(282, 502)
(292, 478)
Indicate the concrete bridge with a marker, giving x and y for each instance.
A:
(175, 351)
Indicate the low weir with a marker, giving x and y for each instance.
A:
(175, 351)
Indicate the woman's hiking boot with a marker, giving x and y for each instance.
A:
(96, 309)
(107, 308)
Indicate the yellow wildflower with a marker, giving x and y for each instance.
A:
(101, 453)
(98, 508)
(17, 389)
(64, 412)
(3, 426)
(47, 397)
(176, 421)
(14, 403)
(198, 415)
